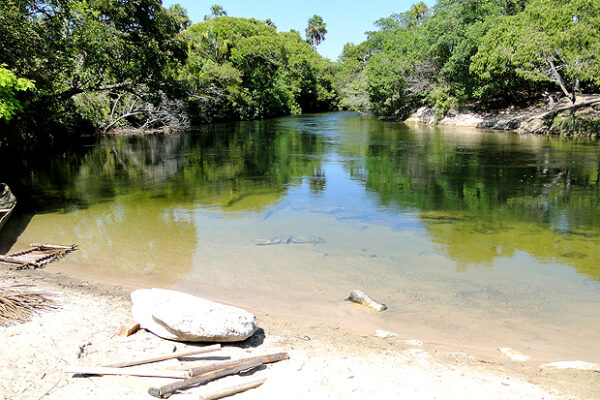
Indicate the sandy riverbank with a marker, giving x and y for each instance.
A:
(326, 361)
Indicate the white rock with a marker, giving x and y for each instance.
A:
(385, 334)
(179, 316)
(513, 354)
(582, 365)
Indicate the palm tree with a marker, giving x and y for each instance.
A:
(316, 30)
(419, 10)
(216, 10)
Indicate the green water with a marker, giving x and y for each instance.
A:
(479, 236)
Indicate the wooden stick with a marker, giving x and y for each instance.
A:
(128, 372)
(206, 349)
(266, 359)
(240, 387)
(54, 246)
(167, 390)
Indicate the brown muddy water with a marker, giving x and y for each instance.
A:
(474, 239)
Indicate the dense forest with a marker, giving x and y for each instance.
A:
(69, 67)
(487, 53)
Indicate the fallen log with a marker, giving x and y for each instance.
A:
(202, 350)
(224, 392)
(167, 390)
(128, 372)
(266, 359)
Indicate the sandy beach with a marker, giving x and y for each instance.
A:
(326, 361)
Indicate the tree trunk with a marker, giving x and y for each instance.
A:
(559, 80)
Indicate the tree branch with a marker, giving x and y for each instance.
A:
(559, 80)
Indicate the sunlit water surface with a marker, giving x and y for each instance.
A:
(472, 238)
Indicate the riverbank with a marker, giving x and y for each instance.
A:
(325, 361)
(582, 119)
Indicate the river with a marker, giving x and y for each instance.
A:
(475, 239)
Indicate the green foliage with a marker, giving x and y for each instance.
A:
(485, 52)
(180, 13)
(9, 86)
(107, 64)
(351, 78)
(242, 68)
(549, 42)
(69, 47)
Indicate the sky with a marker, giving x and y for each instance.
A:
(347, 20)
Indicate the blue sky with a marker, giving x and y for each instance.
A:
(346, 20)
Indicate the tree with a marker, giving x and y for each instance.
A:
(549, 42)
(9, 86)
(180, 13)
(215, 11)
(241, 68)
(68, 48)
(419, 10)
(316, 30)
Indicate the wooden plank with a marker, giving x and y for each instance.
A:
(228, 391)
(266, 359)
(207, 349)
(129, 328)
(167, 390)
(54, 246)
(128, 372)
(10, 260)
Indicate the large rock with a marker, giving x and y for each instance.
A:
(179, 316)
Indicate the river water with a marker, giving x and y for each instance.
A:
(474, 239)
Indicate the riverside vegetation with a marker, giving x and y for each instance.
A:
(69, 66)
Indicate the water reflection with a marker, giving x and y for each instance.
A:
(485, 195)
(478, 195)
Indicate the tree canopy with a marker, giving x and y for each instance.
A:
(242, 68)
(101, 65)
(478, 52)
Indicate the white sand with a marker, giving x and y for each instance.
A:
(326, 362)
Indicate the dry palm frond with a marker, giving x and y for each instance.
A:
(17, 304)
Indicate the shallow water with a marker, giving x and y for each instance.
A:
(472, 238)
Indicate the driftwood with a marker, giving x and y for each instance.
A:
(53, 246)
(360, 297)
(207, 349)
(570, 107)
(266, 359)
(37, 256)
(224, 392)
(128, 372)
(129, 328)
(167, 390)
